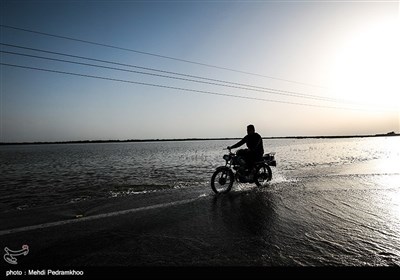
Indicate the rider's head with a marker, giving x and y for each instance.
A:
(250, 129)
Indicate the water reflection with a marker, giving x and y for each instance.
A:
(38, 175)
(246, 220)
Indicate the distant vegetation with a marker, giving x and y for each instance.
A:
(392, 133)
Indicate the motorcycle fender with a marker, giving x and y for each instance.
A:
(226, 168)
(222, 168)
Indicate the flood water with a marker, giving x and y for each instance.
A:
(330, 201)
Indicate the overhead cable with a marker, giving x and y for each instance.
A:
(266, 89)
(169, 77)
(153, 54)
(175, 88)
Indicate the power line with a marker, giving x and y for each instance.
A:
(173, 88)
(153, 54)
(162, 76)
(261, 89)
(246, 87)
(271, 91)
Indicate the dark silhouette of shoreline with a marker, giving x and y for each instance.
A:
(196, 139)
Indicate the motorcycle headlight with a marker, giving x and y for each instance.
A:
(226, 157)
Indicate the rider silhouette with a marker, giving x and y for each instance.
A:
(254, 143)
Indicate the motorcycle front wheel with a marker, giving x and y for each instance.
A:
(222, 180)
(263, 175)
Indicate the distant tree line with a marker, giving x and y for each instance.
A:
(392, 133)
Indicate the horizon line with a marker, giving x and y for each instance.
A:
(197, 139)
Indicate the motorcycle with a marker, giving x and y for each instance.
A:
(235, 170)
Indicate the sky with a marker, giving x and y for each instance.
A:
(207, 69)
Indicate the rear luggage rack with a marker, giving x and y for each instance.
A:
(270, 158)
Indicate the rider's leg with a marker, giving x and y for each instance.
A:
(251, 160)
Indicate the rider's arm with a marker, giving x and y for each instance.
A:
(238, 144)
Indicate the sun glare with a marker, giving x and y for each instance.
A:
(367, 68)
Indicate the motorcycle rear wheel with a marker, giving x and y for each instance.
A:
(263, 175)
(222, 180)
